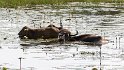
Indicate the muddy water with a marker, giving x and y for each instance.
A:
(104, 19)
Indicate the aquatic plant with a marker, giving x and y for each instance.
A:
(4, 68)
(94, 69)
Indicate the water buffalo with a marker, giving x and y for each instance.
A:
(29, 33)
(45, 33)
(88, 38)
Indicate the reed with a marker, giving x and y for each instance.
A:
(16, 3)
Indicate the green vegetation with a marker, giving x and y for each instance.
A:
(28, 3)
(94, 69)
(4, 68)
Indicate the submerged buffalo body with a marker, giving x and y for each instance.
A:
(89, 38)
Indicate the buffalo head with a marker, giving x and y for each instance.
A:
(28, 33)
(23, 32)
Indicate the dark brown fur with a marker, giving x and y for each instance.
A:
(87, 38)
(45, 33)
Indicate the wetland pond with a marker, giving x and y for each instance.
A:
(105, 19)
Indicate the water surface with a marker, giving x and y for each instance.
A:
(103, 19)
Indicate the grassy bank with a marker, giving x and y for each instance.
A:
(15, 3)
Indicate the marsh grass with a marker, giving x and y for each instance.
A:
(28, 3)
